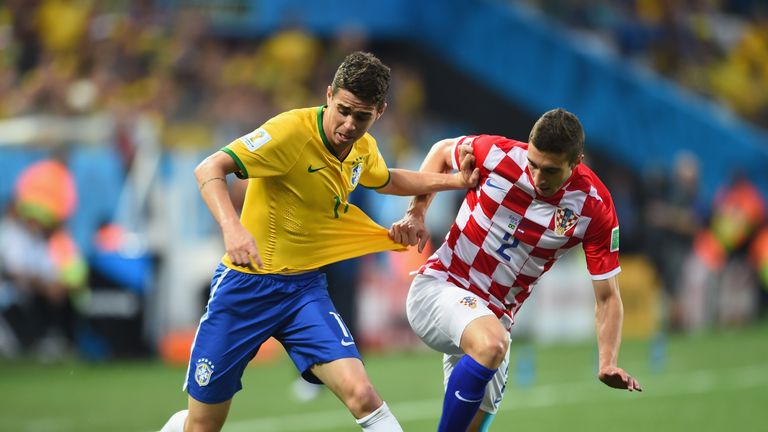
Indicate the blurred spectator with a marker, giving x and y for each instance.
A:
(674, 214)
(719, 286)
(41, 269)
(758, 254)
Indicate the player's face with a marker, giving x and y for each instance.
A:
(549, 170)
(347, 118)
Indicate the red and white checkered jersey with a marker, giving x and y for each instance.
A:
(506, 235)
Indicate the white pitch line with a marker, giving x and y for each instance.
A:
(667, 385)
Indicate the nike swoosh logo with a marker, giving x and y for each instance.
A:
(347, 343)
(458, 396)
(490, 184)
(310, 169)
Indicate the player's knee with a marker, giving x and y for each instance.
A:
(489, 350)
(362, 399)
(495, 351)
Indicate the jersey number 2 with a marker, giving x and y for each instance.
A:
(504, 246)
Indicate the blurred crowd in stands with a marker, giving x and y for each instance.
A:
(132, 59)
(80, 56)
(717, 48)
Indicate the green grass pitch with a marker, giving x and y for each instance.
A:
(709, 382)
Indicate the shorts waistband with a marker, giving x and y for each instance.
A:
(292, 276)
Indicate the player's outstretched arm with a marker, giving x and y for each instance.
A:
(410, 230)
(609, 315)
(436, 177)
(211, 180)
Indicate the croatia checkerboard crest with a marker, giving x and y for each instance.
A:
(565, 219)
(469, 301)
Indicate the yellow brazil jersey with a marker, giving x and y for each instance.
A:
(296, 203)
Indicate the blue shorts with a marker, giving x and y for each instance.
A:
(244, 310)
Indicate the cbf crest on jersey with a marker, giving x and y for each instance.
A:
(565, 219)
(203, 372)
(356, 171)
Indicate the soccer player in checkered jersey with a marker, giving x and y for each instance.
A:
(533, 203)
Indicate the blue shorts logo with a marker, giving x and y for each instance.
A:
(203, 372)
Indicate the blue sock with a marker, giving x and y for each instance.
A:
(463, 394)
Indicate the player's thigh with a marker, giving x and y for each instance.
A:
(317, 334)
(494, 391)
(343, 376)
(439, 312)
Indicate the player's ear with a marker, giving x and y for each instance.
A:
(579, 160)
(383, 108)
(329, 95)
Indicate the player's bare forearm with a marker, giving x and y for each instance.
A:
(211, 180)
(438, 160)
(411, 230)
(239, 243)
(406, 182)
(609, 315)
(432, 176)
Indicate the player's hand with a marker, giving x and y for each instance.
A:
(410, 230)
(241, 247)
(616, 377)
(468, 174)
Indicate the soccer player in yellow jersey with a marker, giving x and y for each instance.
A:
(302, 165)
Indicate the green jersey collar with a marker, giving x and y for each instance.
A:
(322, 132)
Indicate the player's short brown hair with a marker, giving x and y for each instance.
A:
(365, 76)
(558, 131)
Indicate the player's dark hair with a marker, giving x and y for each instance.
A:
(558, 131)
(365, 76)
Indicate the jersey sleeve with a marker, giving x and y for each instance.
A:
(375, 174)
(601, 242)
(268, 151)
(481, 146)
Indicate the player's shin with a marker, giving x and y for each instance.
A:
(463, 394)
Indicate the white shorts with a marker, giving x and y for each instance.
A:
(438, 312)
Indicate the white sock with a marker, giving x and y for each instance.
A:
(176, 422)
(381, 420)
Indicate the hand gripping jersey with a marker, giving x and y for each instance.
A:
(506, 235)
(296, 203)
